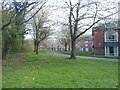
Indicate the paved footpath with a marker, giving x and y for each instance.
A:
(86, 57)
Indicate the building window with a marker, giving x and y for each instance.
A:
(86, 49)
(86, 45)
(111, 51)
(86, 41)
(111, 36)
(81, 49)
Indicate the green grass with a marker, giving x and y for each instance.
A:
(48, 71)
(88, 53)
(114, 57)
(79, 53)
(0, 81)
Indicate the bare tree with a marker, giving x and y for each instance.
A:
(40, 32)
(25, 7)
(82, 17)
(64, 38)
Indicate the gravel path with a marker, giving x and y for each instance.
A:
(86, 57)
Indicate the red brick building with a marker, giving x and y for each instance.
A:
(86, 45)
(106, 41)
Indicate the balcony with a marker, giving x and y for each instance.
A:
(111, 36)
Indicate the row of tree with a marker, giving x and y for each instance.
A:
(64, 39)
(40, 32)
(16, 17)
(83, 16)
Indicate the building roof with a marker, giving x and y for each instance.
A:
(107, 26)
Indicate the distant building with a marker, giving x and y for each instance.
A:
(86, 45)
(106, 38)
(119, 14)
(106, 41)
(43, 47)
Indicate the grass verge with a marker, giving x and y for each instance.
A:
(48, 71)
(88, 53)
(79, 53)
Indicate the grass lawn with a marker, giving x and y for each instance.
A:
(79, 53)
(48, 71)
(0, 81)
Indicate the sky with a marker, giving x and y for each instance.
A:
(58, 15)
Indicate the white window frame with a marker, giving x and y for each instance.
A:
(86, 49)
(108, 54)
(86, 45)
(86, 41)
(105, 35)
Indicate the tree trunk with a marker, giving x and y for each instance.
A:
(65, 46)
(4, 55)
(37, 45)
(58, 48)
(68, 47)
(73, 53)
(5, 51)
(22, 43)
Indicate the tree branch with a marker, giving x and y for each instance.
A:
(33, 14)
(95, 23)
(10, 20)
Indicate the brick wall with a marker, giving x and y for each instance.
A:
(99, 42)
(99, 51)
(87, 44)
